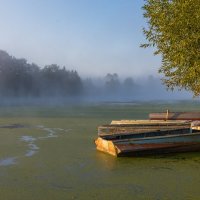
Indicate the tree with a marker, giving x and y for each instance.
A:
(59, 81)
(15, 76)
(129, 84)
(18, 78)
(112, 83)
(174, 29)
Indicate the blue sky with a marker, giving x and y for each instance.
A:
(94, 37)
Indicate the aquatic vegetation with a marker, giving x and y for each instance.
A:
(53, 156)
(32, 147)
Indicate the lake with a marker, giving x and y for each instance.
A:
(48, 152)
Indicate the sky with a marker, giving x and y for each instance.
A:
(94, 37)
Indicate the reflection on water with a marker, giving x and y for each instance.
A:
(32, 147)
(50, 132)
(31, 141)
(28, 138)
(8, 161)
(106, 161)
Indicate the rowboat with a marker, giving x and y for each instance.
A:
(137, 138)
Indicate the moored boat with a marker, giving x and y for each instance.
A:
(157, 138)
(181, 140)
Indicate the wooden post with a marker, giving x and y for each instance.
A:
(167, 115)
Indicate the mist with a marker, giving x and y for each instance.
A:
(112, 88)
(22, 83)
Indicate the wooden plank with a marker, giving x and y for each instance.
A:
(136, 130)
(149, 122)
(140, 126)
(175, 116)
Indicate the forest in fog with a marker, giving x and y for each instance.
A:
(20, 79)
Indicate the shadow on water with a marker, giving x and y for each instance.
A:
(12, 126)
(157, 162)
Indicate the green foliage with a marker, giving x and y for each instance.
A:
(174, 30)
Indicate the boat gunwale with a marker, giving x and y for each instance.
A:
(149, 122)
(155, 137)
(143, 131)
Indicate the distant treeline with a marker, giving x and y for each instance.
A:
(20, 79)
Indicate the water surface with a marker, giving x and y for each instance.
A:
(50, 154)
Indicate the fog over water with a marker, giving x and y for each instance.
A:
(130, 89)
(99, 91)
(25, 83)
